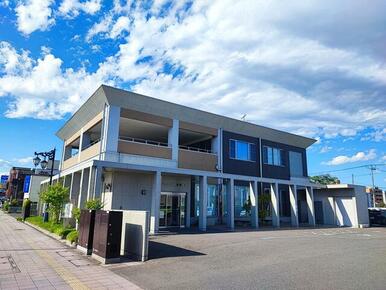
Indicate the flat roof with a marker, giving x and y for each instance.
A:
(129, 100)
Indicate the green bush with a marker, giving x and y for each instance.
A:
(6, 206)
(55, 228)
(19, 219)
(72, 237)
(94, 204)
(76, 213)
(14, 202)
(26, 203)
(63, 232)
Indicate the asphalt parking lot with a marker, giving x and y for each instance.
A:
(276, 259)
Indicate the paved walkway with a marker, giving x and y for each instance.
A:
(31, 260)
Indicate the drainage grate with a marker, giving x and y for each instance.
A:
(8, 265)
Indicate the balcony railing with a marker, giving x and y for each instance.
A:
(195, 149)
(91, 143)
(143, 141)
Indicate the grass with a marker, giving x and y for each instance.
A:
(57, 229)
(72, 236)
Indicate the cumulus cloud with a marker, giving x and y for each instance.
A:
(42, 89)
(360, 156)
(378, 135)
(34, 15)
(72, 8)
(325, 149)
(280, 63)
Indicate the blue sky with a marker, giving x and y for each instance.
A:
(315, 68)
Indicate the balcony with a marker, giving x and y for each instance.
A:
(70, 162)
(91, 151)
(196, 158)
(142, 147)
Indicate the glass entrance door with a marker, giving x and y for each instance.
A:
(172, 209)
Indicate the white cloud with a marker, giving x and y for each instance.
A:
(24, 161)
(72, 8)
(325, 149)
(384, 158)
(378, 135)
(34, 15)
(307, 79)
(42, 89)
(360, 156)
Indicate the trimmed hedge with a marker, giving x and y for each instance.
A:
(57, 229)
(72, 237)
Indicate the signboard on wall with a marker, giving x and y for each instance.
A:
(27, 181)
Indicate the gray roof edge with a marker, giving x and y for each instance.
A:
(308, 141)
(60, 132)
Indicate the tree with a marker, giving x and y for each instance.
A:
(264, 206)
(55, 196)
(325, 179)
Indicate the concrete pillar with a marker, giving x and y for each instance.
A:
(155, 203)
(253, 195)
(111, 129)
(98, 182)
(173, 139)
(231, 203)
(310, 205)
(187, 210)
(203, 202)
(217, 148)
(91, 179)
(275, 204)
(83, 187)
(74, 188)
(293, 195)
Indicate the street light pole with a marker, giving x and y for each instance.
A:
(43, 163)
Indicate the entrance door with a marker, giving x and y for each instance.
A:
(172, 209)
(319, 217)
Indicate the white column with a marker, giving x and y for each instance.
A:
(253, 195)
(98, 183)
(111, 129)
(155, 202)
(293, 195)
(203, 202)
(91, 179)
(187, 209)
(74, 188)
(217, 148)
(310, 205)
(275, 204)
(173, 139)
(83, 187)
(231, 203)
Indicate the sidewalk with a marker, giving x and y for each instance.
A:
(32, 260)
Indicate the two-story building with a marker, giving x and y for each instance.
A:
(185, 166)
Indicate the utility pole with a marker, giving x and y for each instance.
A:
(352, 178)
(373, 168)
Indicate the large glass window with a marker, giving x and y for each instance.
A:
(242, 201)
(242, 150)
(212, 208)
(273, 156)
(212, 202)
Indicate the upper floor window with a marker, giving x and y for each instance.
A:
(273, 156)
(242, 150)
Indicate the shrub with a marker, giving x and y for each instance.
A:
(72, 237)
(76, 213)
(6, 206)
(56, 196)
(14, 202)
(19, 219)
(63, 232)
(94, 204)
(26, 203)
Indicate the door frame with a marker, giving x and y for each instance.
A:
(184, 212)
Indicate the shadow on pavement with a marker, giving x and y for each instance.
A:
(159, 250)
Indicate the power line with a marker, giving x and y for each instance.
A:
(349, 168)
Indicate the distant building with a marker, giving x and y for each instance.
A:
(377, 194)
(25, 182)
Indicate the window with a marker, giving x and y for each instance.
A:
(242, 150)
(296, 163)
(273, 156)
(242, 201)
